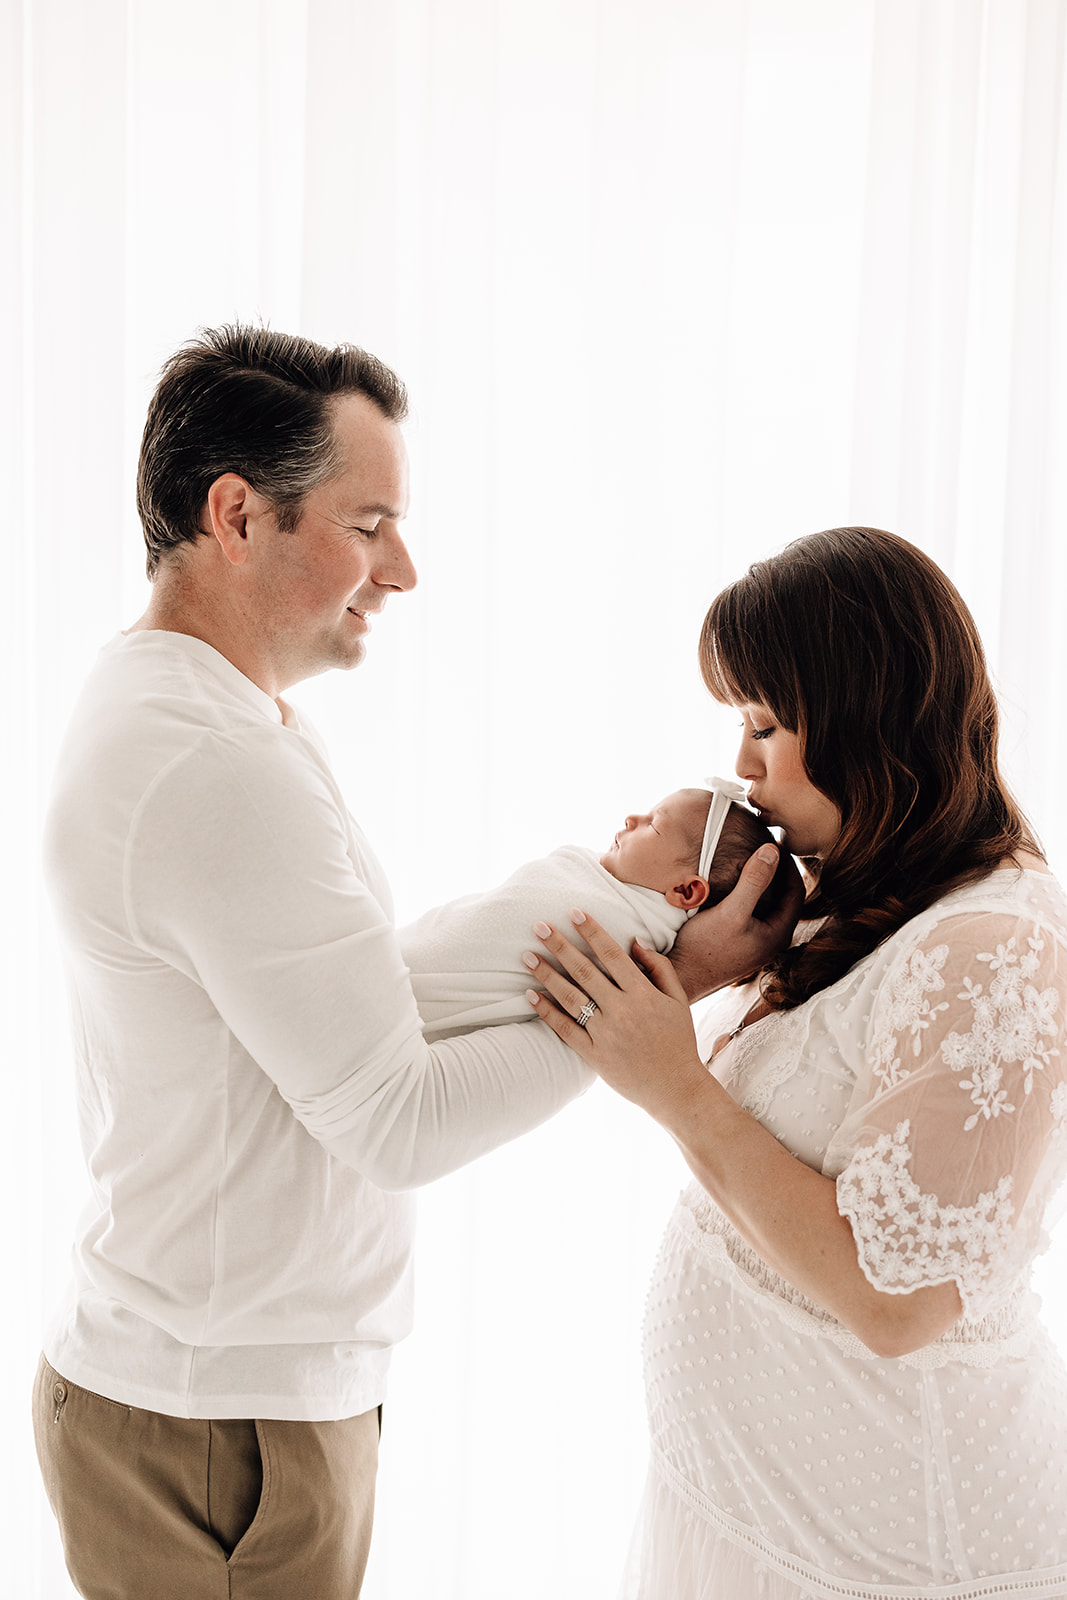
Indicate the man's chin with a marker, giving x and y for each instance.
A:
(348, 653)
(337, 659)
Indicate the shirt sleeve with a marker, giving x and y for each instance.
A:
(239, 874)
(956, 1135)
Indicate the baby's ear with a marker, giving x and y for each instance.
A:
(689, 894)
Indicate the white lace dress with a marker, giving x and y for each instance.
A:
(788, 1462)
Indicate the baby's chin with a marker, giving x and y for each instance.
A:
(610, 862)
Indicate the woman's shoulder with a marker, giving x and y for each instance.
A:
(1025, 892)
(1012, 916)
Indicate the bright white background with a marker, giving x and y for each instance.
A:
(670, 284)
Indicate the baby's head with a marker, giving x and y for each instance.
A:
(660, 849)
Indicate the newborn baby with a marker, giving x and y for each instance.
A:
(663, 867)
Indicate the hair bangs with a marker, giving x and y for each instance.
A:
(739, 661)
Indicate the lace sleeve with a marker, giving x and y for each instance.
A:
(957, 1137)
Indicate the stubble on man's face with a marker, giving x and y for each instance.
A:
(318, 586)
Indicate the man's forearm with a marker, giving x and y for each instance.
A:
(458, 1100)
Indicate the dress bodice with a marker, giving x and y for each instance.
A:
(931, 1083)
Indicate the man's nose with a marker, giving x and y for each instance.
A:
(396, 570)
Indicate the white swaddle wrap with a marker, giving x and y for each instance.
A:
(466, 957)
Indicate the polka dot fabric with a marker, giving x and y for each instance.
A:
(788, 1461)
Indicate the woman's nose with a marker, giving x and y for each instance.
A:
(747, 766)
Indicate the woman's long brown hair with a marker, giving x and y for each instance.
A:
(857, 641)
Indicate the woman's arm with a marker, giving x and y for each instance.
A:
(641, 1041)
(788, 1214)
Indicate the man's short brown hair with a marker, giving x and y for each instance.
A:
(253, 402)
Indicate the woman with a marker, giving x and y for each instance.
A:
(849, 1391)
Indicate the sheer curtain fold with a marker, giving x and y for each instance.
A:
(959, 414)
(1034, 664)
(669, 286)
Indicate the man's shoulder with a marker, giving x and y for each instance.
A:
(174, 677)
(163, 712)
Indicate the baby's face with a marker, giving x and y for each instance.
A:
(654, 848)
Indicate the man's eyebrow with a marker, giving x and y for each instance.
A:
(390, 512)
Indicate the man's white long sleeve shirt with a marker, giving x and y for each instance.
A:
(252, 1079)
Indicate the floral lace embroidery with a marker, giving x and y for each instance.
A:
(1058, 1105)
(907, 1006)
(754, 1079)
(1010, 1019)
(906, 1238)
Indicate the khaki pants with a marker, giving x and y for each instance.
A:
(152, 1507)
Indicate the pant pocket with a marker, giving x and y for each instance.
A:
(235, 1480)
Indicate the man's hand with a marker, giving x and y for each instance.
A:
(726, 942)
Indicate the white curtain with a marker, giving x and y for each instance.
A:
(670, 285)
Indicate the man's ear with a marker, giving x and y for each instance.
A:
(230, 503)
(689, 894)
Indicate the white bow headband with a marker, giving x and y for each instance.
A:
(723, 793)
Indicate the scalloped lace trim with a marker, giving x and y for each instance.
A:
(814, 1585)
(983, 1342)
(905, 1238)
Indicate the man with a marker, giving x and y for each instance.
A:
(253, 1082)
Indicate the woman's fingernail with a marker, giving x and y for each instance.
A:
(577, 917)
(533, 997)
(530, 960)
(542, 930)
(768, 854)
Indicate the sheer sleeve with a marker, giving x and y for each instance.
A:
(956, 1140)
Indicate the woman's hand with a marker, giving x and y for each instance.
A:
(639, 1037)
(727, 942)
